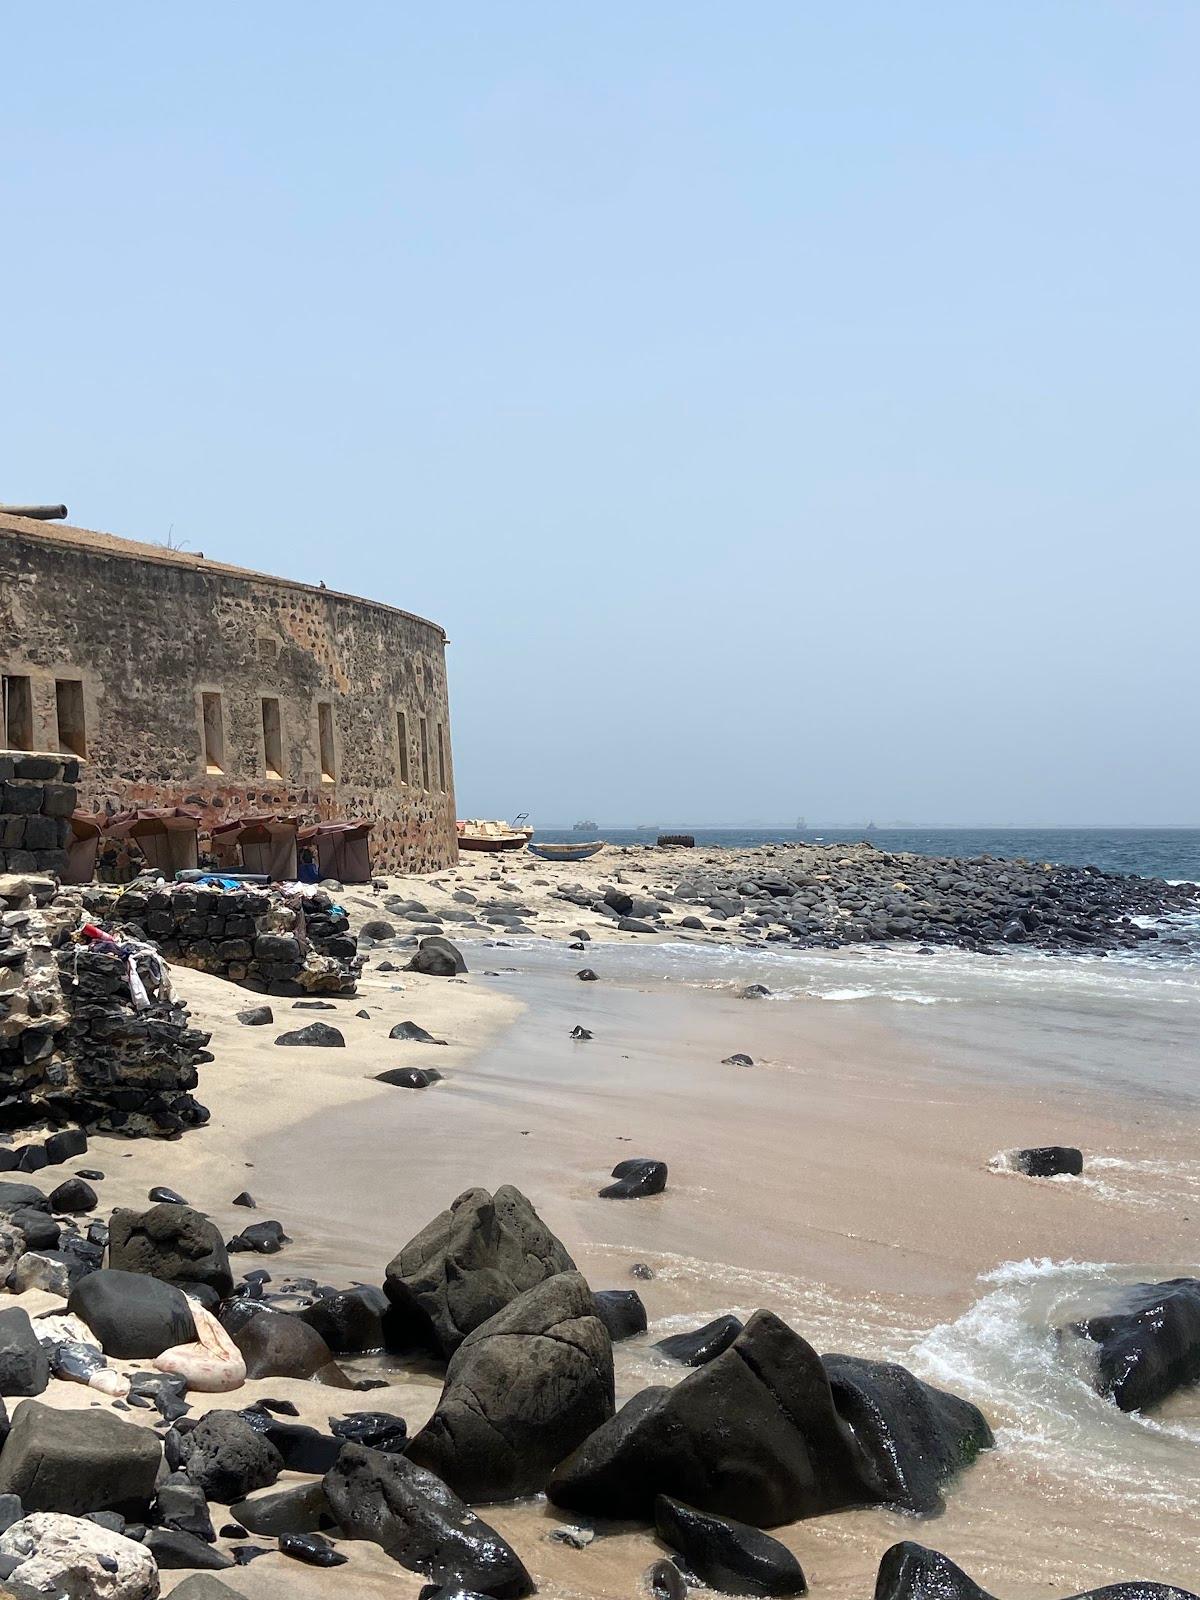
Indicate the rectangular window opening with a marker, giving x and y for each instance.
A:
(272, 738)
(425, 752)
(214, 733)
(18, 713)
(68, 699)
(402, 745)
(441, 755)
(325, 735)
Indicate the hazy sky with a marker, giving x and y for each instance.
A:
(784, 407)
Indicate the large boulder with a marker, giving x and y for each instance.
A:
(78, 1461)
(70, 1558)
(437, 957)
(1148, 1343)
(621, 1311)
(351, 1321)
(24, 1366)
(466, 1265)
(702, 1345)
(275, 1344)
(228, 1458)
(521, 1392)
(730, 1557)
(171, 1242)
(911, 1572)
(421, 1523)
(134, 1317)
(798, 1437)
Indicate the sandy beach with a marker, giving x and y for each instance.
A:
(843, 1181)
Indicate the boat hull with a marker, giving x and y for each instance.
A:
(565, 852)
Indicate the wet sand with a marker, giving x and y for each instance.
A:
(842, 1181)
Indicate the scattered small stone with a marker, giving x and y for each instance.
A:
(739, 1059)
(581, 1033)
(586, 975)
(413, 1031)
(313, 1005)
(313, 1548)
(637, 1177)
(256, 1016)
(577, 1538)
(641, 1270)
(264, 1238)
(73, 1196)
(664, 1581)
(161, 1195)
(1049, 1161)
(245, 1199)
(700, 1346)
(409, 1077)
(377, 930)
(91, 1173)
(316, 1033)
(755, 991)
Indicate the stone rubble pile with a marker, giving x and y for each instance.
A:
(831, 895)
(763, 1430)
(37, 797)
(272, 940)
(78, 1050)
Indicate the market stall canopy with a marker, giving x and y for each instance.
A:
(83, 846)
(265, 843)
(165, 836)
(343, 849)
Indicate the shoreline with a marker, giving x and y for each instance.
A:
(841, 1181)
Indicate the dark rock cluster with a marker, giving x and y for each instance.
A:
(77, 1050)
(37, 797)
(762, 1431)
(270, 940)
(834, 895)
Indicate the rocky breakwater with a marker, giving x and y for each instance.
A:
(91, 1034)
(272, 940)
(829, 896)
(37, 797)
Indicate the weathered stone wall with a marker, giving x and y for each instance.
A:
(147, 633)
(37, 797)
(264, 939)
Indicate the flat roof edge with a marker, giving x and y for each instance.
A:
(69, 537)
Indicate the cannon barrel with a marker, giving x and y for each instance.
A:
(38, 513)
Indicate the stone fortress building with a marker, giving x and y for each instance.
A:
(182, 681)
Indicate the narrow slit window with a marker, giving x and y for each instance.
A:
(18, 713)
(325, 736)
(441, 755)
(214, 733)
(425, 752)
(402, 745)
(272, 737)
(68, 700)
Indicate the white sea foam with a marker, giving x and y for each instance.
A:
(1006, 1354)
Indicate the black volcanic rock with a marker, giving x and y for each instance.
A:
(466, 1265)
(801, 1436)
(1148, 1343)
(522, 1390)
(421, 1524)
(703, 1344)
(730, 1557)
(909, 1571)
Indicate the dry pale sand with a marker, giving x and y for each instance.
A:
(842, 1181)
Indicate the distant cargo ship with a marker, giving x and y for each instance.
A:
(586, 827)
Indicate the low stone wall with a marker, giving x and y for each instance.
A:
(37, 797)
(268, 940)
(75, 1049)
